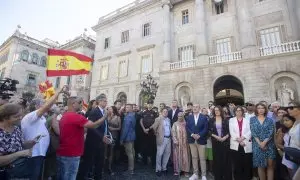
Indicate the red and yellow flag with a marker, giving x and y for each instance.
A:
(46, 89)
(67, 63)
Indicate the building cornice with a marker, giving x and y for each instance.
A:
(26, 41)
(119, 84)
(79, 41)
(123, 53)
(33, 45)
(124, 12)
(104, 58)
(143, 48)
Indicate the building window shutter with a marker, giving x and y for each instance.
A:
(214, 47)
(232, 43)
(283, 34)
(126, 67)
(258, 37)
(118, 69)
(179, 54)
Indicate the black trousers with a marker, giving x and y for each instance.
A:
(242, 164)
(281, 172)
(149, 147)
(139, 139)
(222, 168)
(93, 157)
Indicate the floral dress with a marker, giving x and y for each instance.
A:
(262, 131)
(11, 142)
(181, 159)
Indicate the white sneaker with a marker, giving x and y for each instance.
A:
(203, 177)
(194, 177)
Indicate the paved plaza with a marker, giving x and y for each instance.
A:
(142, 172)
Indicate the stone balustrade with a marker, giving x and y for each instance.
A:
(234, 56)
(182, 64)
(280, 48)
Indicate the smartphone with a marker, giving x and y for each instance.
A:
(38, 138)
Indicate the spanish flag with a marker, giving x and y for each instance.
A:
(67, 63)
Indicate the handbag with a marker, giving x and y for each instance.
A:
(292, 154)
(20, 168)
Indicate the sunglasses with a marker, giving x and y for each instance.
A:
(249, 104)
(292, 107)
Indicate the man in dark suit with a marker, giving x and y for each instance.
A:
(173, 112)
(197, 128)
(94, 143)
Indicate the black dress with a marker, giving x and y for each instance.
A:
(222, 168)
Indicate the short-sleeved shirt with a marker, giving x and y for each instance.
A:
(33, 126)
(71, 139)
(148, 118)
(11, 142)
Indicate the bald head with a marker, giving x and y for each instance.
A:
(74, 104)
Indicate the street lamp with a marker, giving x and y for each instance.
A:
(149, 88)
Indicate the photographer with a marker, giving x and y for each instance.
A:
(7, 87)
(13, 163)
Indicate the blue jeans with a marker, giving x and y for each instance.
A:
(37, 166)
(67, 167)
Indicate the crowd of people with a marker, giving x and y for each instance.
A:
(43, 140)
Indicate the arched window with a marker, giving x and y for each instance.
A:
(34, 58)
(24, 55)
(43, 61)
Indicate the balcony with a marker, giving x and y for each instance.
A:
(280, 48)
(234, 56)
(183, 64)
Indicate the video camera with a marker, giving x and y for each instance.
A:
(7, 87)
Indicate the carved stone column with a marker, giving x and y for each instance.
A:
(201, 33)
(246, 29)
(167, 30)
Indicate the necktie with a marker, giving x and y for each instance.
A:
(105, 123)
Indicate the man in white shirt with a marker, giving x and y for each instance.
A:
(33, 125)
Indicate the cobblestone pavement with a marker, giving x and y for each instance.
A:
(142, 172)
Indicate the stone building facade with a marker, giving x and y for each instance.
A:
(23, 58)
(221, 50)
(79, 84)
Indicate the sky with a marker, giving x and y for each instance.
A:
(58, 20)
